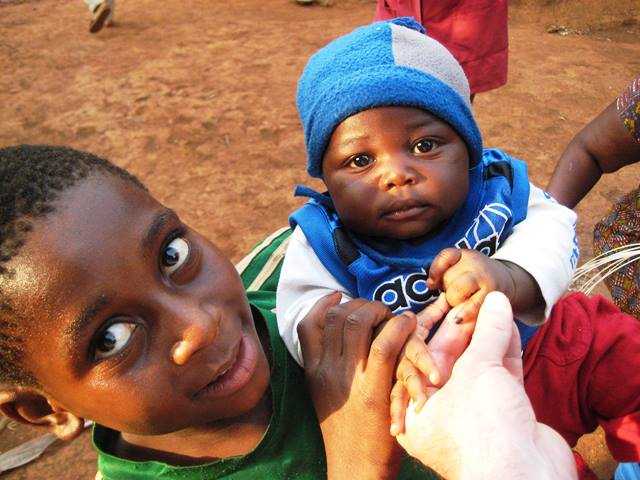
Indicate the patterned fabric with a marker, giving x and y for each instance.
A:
(628, 106)
(622, 227)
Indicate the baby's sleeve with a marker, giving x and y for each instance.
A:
(545, 245)
(303, 281)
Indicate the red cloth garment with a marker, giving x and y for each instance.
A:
(582, 369)
(474, 31)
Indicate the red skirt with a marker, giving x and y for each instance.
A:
(474, 31)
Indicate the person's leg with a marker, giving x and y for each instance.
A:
(101, 10)
(109, 21)
(93, 4)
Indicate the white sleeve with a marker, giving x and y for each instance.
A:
(303, 281)
(544, 244)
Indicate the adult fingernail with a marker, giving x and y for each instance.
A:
(394, 430)
(434, 378)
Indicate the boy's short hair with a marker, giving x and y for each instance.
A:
(31, 179)
(391, 63)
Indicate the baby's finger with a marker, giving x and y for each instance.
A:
(460, 288)
(432, 314)
(446, 259)
(398, 408)
(469, 309)
(413, 382)
(417, 352)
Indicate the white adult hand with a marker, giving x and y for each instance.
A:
(480, 424)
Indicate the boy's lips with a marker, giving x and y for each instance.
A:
(405, 210)
(234, 374)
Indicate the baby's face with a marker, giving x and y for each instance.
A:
(131, 318)
(395, 172)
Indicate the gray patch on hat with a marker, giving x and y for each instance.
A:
(416, 50)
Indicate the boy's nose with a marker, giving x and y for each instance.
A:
(201, 325)
(397, 172)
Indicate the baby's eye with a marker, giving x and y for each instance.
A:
(360, 160)
(113, 339)
(424, 146)
(174, 254)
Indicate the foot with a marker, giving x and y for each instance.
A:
(100, 15)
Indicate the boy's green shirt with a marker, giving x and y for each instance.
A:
(292, 446)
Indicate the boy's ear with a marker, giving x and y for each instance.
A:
(28, 405)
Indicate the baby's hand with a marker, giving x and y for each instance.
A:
(424, 367)
(466, 277)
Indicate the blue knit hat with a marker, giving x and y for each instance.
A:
(391, 63)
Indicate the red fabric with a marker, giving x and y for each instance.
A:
(584, 472)
(474, 31)
(582, 369)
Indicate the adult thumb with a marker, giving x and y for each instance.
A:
(494, 329)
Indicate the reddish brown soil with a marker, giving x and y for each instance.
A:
(197, 98)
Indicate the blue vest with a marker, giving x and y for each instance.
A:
(395, 272)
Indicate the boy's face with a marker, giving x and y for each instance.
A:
(395, 172)
(131, 318)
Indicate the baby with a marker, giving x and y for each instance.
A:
(414, 205)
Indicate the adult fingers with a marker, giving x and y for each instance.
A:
(359, 326)
(430, 315)
(414, 382)
(311, 329)
(417, 354)
(494, 330)
(335, 318)
(446, 259)
(398, 408)
(385, 350)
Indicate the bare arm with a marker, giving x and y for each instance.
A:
(603, 146)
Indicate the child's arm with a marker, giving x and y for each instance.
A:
(543, 245)
(603, 146)
(303, 281)
(533, 266)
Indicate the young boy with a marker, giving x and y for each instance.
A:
(112, 309)
(389, 129)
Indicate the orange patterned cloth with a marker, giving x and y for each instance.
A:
(622, 227)
(628, 105)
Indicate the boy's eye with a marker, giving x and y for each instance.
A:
(360, 161)
(174, 254)
(113, 339)
(424, 146)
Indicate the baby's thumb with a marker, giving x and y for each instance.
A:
(494, 329)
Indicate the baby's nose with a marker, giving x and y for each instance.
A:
(398, 172)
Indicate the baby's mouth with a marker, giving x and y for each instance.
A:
(401, 211)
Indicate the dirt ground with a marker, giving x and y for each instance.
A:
(197, 99)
